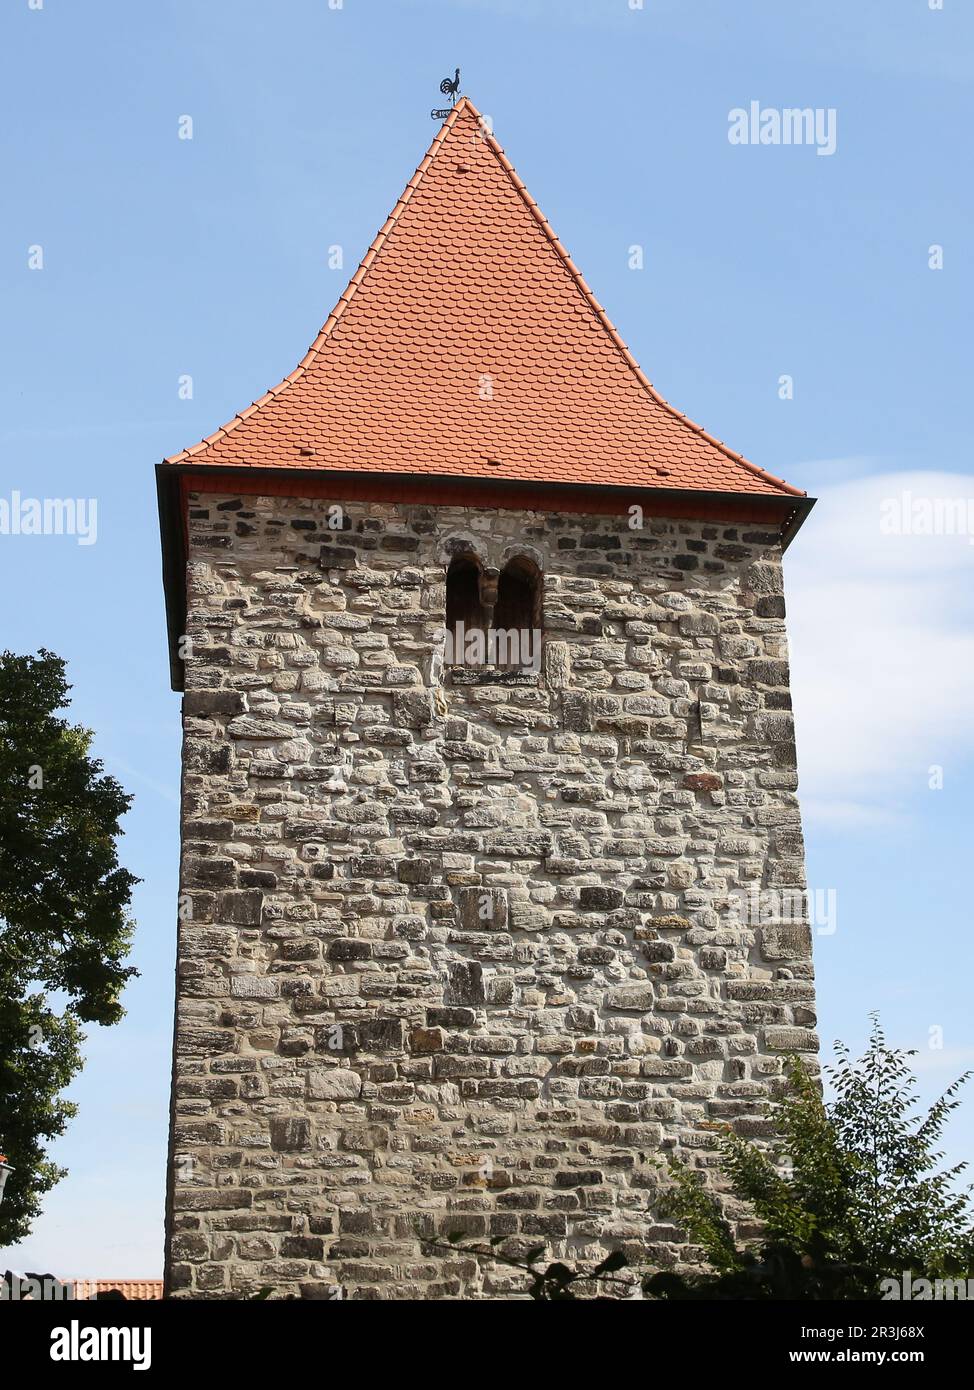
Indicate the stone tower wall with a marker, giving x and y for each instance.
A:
(455, 951)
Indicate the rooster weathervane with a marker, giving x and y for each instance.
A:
(450, 87)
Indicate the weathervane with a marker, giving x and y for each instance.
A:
(450, 87)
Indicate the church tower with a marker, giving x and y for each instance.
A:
(487, 758)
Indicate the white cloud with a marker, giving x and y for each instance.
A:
(882, 644)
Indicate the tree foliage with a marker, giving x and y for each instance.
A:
(851, 1193)
(64, 925)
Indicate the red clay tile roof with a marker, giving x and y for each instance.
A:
(130, 1288)
(467, 344)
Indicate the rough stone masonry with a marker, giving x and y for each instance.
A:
(455, 948)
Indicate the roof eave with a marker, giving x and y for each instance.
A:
(788, 511)
(803, 505)
(173, 565)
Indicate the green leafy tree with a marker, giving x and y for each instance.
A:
(64, 924)
(851, 1193)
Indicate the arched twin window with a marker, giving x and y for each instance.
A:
(494, 619)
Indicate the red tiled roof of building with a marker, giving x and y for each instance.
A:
(468, 345)
(129, 1288)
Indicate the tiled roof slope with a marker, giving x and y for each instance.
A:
(467, 344)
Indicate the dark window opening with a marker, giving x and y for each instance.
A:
(518, 596)
(463, 606)
(493, 621)
(517, 616)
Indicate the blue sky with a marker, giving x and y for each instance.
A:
(165, 257)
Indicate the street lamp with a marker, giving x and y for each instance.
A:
(5, 1171)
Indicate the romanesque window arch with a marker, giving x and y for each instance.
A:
(493, 619)
(519, 596)
(464, 608)
(517, 615)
